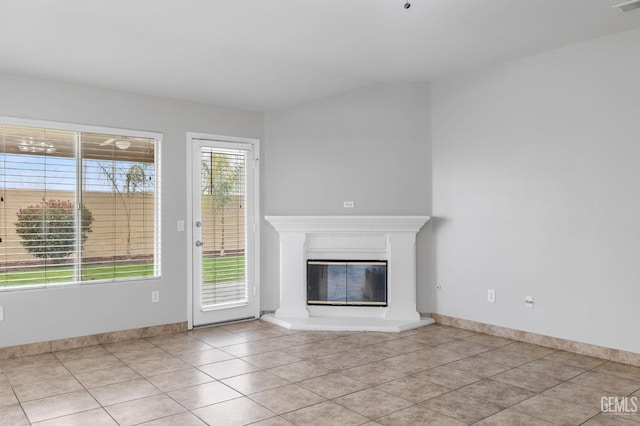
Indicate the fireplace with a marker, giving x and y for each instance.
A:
(390, 306)
(347, 282)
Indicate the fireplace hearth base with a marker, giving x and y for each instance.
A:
(336, 323)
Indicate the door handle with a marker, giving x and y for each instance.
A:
(199, 243)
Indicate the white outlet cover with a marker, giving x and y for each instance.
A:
(349, 204)
(180, 225)
(155, 296)
(528, 301)
(1, 313)
(491, 296)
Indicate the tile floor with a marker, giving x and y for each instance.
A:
(256, 373)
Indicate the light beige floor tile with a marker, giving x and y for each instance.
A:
(413, 389)
(80, 353)
(576, 360)
(555, 410)
(431, 339)
(512, 418)
(439, 356)
(247, 349)
(182, 419)
(123, 391)
(429, 375)
(286, 398)
(487, 340)
(239, 411)
(373, 374)
(462, 407)
(271, 359)
(298, 371)
(7, 396)
(325, 413)
(507, 358)
(224, 339)
(273, 421)
(58, 406)
(182, 347)
(400, 346)
(529, 349)
(418, 415)
(610, 420)
(205, 394)
(499, 393)
(12, 415)
(27, 361)
(333, 385)
(457, 333)
(479, 366)
(552, 369)
(27, 374)
(410, 363)
(159, 365)
(465, 347)
(45, 388)
(99, 362)
(620, 370)
(255, 382)
(448, 376)
(108, 376)
(137, 346)
(204, 357)
(578, 394)
(179, 379)
(230, 368)
(615, 385)
(140, 355)
(524, 379)
(373, 403)
(339, 361)
(144, 410)
(97, 417)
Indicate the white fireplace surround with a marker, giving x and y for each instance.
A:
(390, 238)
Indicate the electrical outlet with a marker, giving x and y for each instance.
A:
(180, 225)
(1, 313)
(528, 302)
(155, 296)
(349, 204)
(491, 296)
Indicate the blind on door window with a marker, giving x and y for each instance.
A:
(76, 206)
(223, 192)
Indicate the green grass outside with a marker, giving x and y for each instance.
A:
(215, 270)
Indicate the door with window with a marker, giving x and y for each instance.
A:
(224, 217)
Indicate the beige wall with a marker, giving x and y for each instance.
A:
(109, 228)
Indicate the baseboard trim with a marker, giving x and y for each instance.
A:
(602, 352)
(91, 340)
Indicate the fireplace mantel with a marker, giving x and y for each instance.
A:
(391, 238)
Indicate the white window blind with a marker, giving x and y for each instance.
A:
(223, 192)
(77, 206)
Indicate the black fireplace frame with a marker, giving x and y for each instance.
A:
(347, 262)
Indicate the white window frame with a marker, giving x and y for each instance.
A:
(84, 128)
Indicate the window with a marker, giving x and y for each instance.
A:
(78, 204)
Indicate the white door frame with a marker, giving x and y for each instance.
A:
(192, 138)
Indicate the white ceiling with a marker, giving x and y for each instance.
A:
(269, 54)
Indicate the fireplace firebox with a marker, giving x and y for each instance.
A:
(347, 282)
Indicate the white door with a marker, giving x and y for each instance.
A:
(224, 240)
